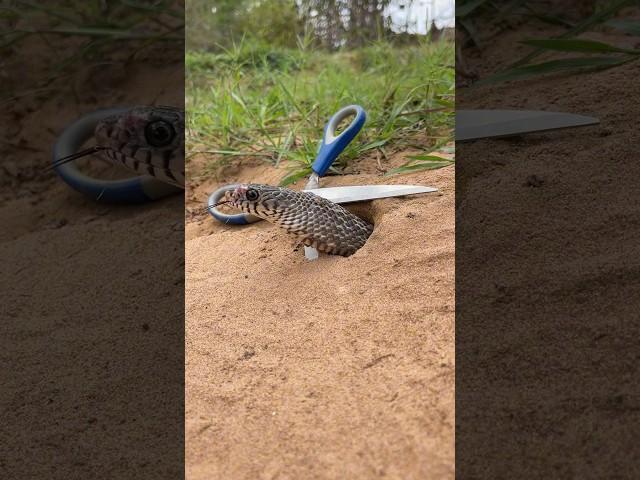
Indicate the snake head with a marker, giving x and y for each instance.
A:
(256, 199)
(148, 128)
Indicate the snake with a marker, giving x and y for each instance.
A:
(316, 221)
(147, 140)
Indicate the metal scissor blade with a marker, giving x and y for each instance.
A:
(474, 124)
(359, 193)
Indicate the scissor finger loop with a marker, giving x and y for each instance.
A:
(342, 114)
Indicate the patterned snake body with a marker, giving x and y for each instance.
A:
(147, 140)
(316, 221)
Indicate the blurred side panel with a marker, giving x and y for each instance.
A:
(92, 292)
(547, 257)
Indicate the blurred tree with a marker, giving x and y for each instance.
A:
(349, 23)
(332, 24)
(211, 23)
(274, 21)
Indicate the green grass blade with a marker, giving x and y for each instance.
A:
(372, 145)
(426, 158)
(553, 66)
(577, 45)
(595, 19)
(232, 153)
(100, 32)
(295, 176)
(418, 167)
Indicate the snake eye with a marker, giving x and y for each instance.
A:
(252, 195)
(159, 133)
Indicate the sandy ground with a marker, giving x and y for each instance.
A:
(92, 317)
(547, 276)
(338, 368)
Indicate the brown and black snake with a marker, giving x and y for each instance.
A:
(316, 221)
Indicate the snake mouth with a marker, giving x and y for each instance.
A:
(232, 198)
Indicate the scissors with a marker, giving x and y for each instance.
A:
(331, 146)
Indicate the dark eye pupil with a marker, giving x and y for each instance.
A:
(159, 133)
(252, 194)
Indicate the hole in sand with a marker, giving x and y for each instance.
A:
(366, 211)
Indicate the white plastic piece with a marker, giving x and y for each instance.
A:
(311, 253)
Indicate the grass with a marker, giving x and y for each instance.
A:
(588, 56)
(77, 34)
(253, 100)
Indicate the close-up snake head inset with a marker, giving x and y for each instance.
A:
(147, 140)
(316, 221)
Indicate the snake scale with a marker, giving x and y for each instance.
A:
(149, 140)
(316, 221)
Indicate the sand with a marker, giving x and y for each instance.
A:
(338, 368)
(547, 277)
(92, 312)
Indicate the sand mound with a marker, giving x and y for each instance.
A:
(338, 368)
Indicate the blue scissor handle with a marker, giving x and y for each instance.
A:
(129, 190)
(333, 145)
(235, 219)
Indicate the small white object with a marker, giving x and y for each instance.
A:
(311, 253)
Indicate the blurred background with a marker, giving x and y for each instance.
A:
(331, 23)
(263, 76)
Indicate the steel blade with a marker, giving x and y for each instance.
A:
(474, 124)
(359, 193)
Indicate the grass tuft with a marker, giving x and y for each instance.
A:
(473, 13)
(270, 102)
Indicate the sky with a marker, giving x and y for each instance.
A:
(420, 12)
